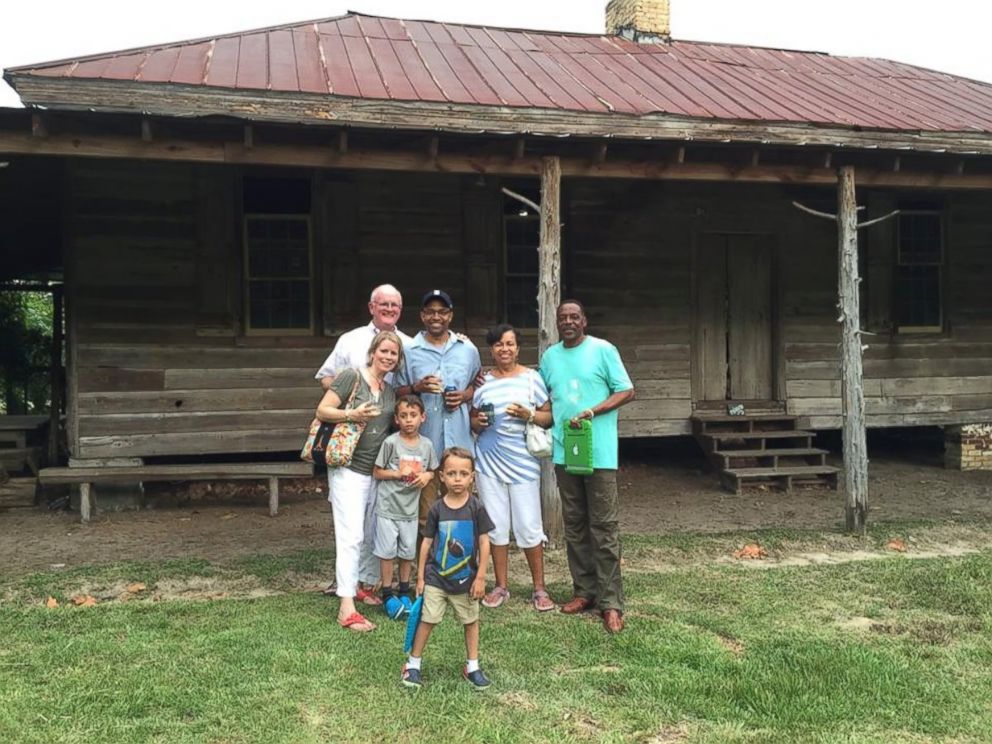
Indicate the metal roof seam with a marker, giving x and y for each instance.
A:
(517, 67)
(322, 56)
(552, 60)
(206, 61)
(424, 63)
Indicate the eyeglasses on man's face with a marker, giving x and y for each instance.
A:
(389, 305)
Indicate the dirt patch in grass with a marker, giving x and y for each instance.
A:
(666, 487)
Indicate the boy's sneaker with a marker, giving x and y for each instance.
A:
(411, 678)
(393, 607)
(477, 678)
(407, 604)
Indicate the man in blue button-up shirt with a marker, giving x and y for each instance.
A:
(440, 366)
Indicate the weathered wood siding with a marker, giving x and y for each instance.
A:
(154, 295)
(910, 379)
(160, 365)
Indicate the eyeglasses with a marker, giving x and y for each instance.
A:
(428, 313)
(388, 305)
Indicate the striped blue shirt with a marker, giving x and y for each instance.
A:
(501, 449)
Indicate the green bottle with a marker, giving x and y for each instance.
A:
(578, 448)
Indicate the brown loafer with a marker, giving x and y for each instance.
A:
(576, 605)
(612, 621)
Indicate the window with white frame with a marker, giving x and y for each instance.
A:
(919, 296)
(278, 255)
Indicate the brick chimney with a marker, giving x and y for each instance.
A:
(646, 21)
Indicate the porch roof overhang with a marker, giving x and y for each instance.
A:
(246, 128)
(188, 101)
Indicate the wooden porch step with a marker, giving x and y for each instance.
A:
(784, 476)
(773, 457)
(757, 440)
(703, 424)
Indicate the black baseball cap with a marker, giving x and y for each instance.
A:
(437, 294)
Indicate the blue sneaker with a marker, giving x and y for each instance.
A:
(393, 607)
(407, 604)
(477, 678)
(411, 678)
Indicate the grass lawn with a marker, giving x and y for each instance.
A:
(887, 650)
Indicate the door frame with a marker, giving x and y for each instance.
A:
(777, 299)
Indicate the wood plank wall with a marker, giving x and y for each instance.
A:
(164, 369)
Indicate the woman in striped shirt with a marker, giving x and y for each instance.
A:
(508, 476)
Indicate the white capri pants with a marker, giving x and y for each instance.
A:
(512, 505)
(350, 495)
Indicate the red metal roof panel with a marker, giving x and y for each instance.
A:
(385, 58)
(311, 75)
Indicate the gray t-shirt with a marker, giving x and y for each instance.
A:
(396, 499)
(377, 429)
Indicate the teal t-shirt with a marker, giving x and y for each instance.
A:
(580, 378)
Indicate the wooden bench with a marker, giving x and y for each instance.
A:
(88, 477)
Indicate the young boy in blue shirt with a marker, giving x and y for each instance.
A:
(451, 569)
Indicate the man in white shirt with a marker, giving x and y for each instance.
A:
(351, 352)
(385, 307)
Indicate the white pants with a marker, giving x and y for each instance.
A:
(350, 495)
(516, 505)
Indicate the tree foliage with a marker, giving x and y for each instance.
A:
(25, 344)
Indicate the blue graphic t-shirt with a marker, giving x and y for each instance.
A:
(454, 558)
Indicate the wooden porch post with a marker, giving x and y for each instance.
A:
(548, 297)
(55, 379)
(852, 374)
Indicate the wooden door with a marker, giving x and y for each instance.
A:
(733, 336)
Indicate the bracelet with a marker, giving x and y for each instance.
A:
(347, 415)
(592, 413)
(533, 415)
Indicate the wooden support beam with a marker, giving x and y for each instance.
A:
(600, 156)
(755, 157)
(897, 164)
(85, 501)
(433, 147)
(38, 128)
(519, 148)
(316, 156)
(249, 136)
(680, 155)
(55, 379)
(548, 297)
(343, 141)
(147, 132)
(273, 496)
(852, 373)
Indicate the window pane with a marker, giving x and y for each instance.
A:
(521, 302)
(919, 239)
(918, 296)
(521, 259)
(279, 304)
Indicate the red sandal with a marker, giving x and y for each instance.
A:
(356, 619)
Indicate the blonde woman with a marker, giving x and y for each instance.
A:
(350, 487)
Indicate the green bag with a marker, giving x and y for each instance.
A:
(578, 448)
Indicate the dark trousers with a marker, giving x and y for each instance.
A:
(590, 511)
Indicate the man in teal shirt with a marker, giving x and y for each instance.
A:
(587, 380)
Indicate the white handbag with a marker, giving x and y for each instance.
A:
(538, 439)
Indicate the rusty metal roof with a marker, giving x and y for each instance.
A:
(369, 57)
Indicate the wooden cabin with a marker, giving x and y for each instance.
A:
(221, 209)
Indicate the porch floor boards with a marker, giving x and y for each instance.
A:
(762, 449)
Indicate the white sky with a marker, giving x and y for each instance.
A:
(949, 35)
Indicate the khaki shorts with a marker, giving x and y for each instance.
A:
(436, 600)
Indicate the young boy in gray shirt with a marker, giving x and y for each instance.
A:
(405, 464)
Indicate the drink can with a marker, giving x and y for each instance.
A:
(489, 411)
